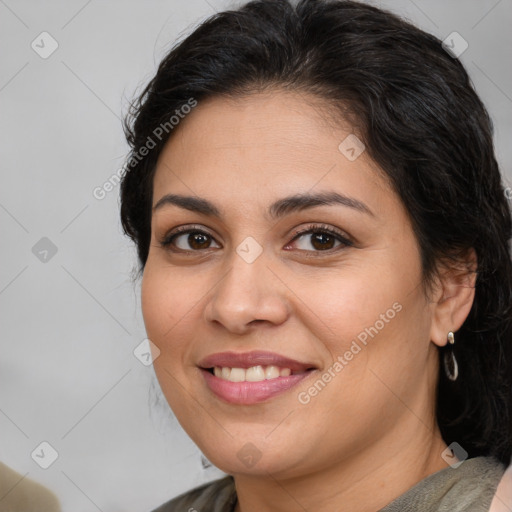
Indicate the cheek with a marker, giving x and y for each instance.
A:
(167, 302)
(350, 301)
(375, 317)
(376, 339)
(157, 305)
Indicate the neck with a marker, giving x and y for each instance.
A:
(355, 484)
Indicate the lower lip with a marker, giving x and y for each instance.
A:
(247, 393)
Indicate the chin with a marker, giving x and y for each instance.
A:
(254, 455)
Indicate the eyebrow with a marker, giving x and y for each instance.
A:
(279, 208)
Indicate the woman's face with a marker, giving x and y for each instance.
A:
(328, 331)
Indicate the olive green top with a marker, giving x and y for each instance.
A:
(468, 488)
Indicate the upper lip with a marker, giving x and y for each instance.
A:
(254, 358)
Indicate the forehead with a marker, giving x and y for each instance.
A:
(272, 120)
(273, 143)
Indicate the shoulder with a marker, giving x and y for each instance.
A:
(216, 496)
(474, 491)
(468, 487)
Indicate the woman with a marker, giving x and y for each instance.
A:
(323, 237)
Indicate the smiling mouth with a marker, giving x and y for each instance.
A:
(247, 378)
(252, 374)
(236, 387)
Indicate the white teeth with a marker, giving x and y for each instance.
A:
(252, 374)
(237, 375)
(271, 372)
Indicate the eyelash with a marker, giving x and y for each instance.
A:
(168, 239)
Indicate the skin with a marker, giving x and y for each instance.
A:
(371, 431)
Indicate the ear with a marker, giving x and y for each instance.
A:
(453, 296)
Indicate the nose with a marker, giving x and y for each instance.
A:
(248, 294)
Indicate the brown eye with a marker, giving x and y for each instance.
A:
(189, 240)
(319, 238)
(322, 241)
(319, 241)
(198, 241)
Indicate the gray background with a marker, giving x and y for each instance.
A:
(70, 323)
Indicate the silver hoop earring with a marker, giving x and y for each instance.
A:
(451, 367)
